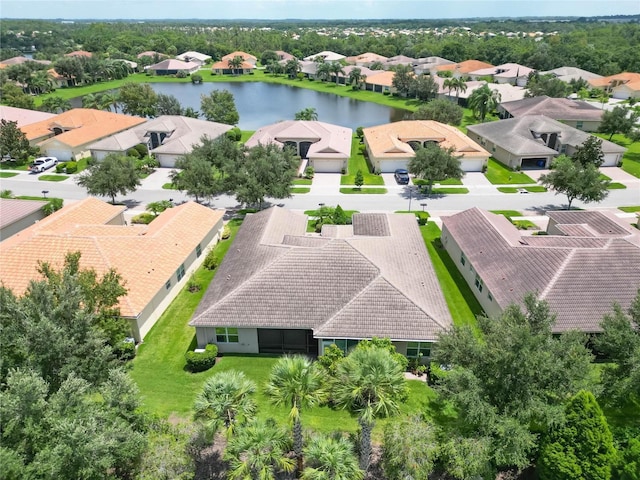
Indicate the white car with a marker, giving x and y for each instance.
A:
(41, 164)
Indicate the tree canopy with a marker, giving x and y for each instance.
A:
(619, 120)
(440, 110)
(13, 142)
(433, 163)
(219, 106)
(115, 174)
(138, 99)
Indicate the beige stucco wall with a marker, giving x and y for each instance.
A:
(161, 300)
(586, 126)
(503, 156)
(247, 340)
(21, 224)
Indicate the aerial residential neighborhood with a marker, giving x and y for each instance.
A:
(239, 246)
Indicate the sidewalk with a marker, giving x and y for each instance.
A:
(156, 180)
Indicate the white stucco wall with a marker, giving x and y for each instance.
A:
(247, 340)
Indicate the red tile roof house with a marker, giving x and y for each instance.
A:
(281, 290)
(533, 141)
(588, 261)
(366, 59)
(575, 113)
(326, 147)
(246, 57)
(223, 67)
(622, 85)
(391, 146)
(154, 260)
(67, 136)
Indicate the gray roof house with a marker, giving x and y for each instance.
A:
(280, 289)
(575, 113)
(327, 147)
(566, 74)
(588, 261)
(167, 137)
(533, 141)
(172, 67)
(512, 73)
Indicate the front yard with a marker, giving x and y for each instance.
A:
(499, 174)
(357, 161)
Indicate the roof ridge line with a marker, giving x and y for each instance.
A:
(559, 272)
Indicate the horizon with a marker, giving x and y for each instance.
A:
(309, 10)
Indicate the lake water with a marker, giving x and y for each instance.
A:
(261, 104)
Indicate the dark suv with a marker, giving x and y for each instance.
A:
(402, 176)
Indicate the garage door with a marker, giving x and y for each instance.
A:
(610, 160)
(532, 163)
(390, 166)
(61, 154)
(327, 166)
(471, 165)
(166, 161)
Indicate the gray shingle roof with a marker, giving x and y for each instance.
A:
(580, 277)
(276, 276)
(556, 108)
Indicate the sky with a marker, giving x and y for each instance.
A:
(309, 9)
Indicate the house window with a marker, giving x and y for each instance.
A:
(463, 259)
(168, 284)
(478, 283)
(198, 250)
(489, 296)
(343, 344)
(180, 272)
(226, 335)
(493, 149)
(579, 124)
(417, 349)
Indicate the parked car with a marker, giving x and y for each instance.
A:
(41, 164)
(402, 176)
(523, 190)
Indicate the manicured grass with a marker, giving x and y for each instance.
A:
(9, 165)
(604, 177)
(631, 158)
(499, 174)
(448, 181)
(630, 209)
(169, 186)
(302, 181)
(246, 135)
(358, 162)
(616, 186)
(449, 191)
(417, 213)
(52, 178)
(460, 299)
(532, 189)
(82, 164)
(300, 190)
(7, 174)
(507, 213)
(525, 225)
(363, 191)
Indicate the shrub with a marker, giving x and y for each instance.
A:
(362, 148)
(192, 285)
(343, 170)
(142, 150)
(211, 261)
(330, 359)
(125, 350)
(60, 167)
(54, 205)
(71, 167)
(132, 152)
(181, 74)
(146, 164)
(6, 194)
(234, 134)
(196, 78)
(484, 168)
(309, 172)
(226, 232)
(360, 132)
(201, 361)
(386, 92)
(144, 218)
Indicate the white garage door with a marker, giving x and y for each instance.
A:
(61, 154)
(327, 165)
(610, 160)
(390, 166)
(166, 161)
(471, 165)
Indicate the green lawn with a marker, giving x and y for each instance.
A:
(363, 191)
(499, 174)
(358, 162)
(633, 209)
(246, 135)
(10, 165)
(631, 158)
(525, 225)
(507, 213)
(300, 190)
(52, 178)
(301, 181)
(7, 174)
(616, 186)
(449, 191)
(417, 213)
(460, 299)
(532, 189)
(448, 181)
(169, 186)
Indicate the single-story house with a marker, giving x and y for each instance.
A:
(67, 136)
(327, 147)
(284, 56)
(60, 81)
(194, 57)
(343, 78)
(508, 92)
(512, 73)
(575, 113)
(172, 67)
(154, 260)
(152, 54)
(16, 215)
(533, 141)
(281, 290)
(79, 53)
(246, 57)
(23, 116)
(326, 56)
(366, 59)
(398, 60)
(622, 85)
(588, 261)
(463, 68)
(223, 67)
(9, 62)
(167, 137)
(427, 65)
(566, 74)
(392, 146)
(132, 65)
(309, 69)
(381, 81)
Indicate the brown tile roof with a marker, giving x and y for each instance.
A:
(145, 256)
(624, 77)
(224, 65)
(247, 57)
(390, 140)
(353, 287)
(383, 78)
(85, 125)
(580, 277)
(79, 53)
(464, 67)
(23, 116)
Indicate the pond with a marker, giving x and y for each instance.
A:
(261, 104)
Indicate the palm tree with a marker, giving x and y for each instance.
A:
(449, 84)
(109, 99)
(331, 458)
(308, 113)
(257, 452)
(294, 381)
(483, 100)
(90, 101)
(355, 77)
(292, 68)
(235, 63)
(41, 81)
(336, 69)
(460, 86)
(369, 382)
(323, 71)
(55, 104)
(225, 401)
